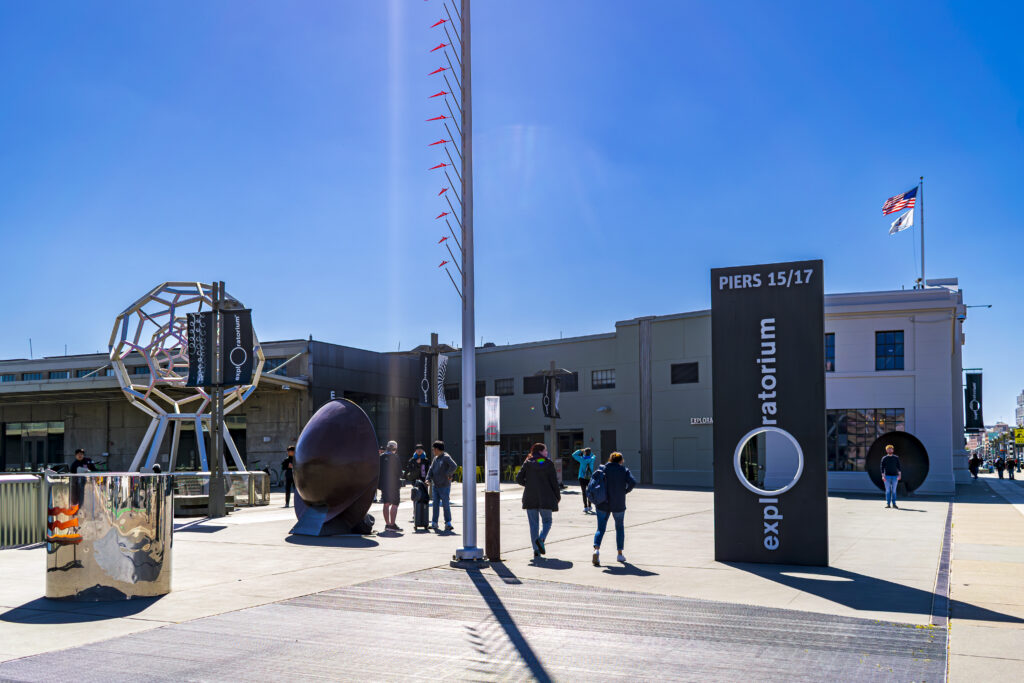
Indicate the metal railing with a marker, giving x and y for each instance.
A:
(247, 489)
(22, 510)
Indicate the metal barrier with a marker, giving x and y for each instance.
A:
(244, 489)
(22, 510)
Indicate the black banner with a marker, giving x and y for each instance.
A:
(236, 347)
(199, 332)
(423, 384)
(768, 370)
(442, 370)
(974, 421)
(552, 393)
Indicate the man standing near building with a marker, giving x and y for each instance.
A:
(891, 475)
(1011, 465)
(391, 485)
(440, 476)
(288, 472)
(586, 460)
(1000, 465)
(81, 462)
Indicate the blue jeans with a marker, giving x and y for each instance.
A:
(535, 518)
(620, 528)
(890, 488)
(441, 496)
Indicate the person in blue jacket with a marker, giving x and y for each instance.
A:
(586, 460)
(619, 482)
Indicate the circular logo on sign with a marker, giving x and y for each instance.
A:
(238, 356)
(738, 455)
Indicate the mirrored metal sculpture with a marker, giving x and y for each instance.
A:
(151, 335)
(108, 537)
(336, 471)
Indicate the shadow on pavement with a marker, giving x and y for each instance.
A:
(347, 541)
(504, 573)
(867, 593)
(46, 611)
(545, 563)
(508, 624)
(627, 569)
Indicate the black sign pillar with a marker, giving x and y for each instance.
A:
(975, 421)
(768, 370)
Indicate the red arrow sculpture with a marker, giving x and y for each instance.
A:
(439, 142)
(442, 216)
(441, 240)
(442, 264)
(439, 23)
(438, 94)
(442, 165)
(443, 190)
(438, 118)
(438, 70)
(439, 47)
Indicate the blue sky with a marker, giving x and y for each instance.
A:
(621, 150)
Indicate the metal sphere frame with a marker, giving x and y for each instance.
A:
(154, 329)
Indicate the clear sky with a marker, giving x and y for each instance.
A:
(622, 149)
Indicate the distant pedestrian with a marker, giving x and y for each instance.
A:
(1000, 465)
(618, 482)
(891, 475)
(974, 464)
(418, 465)
(288, 471)
(540, 494)
(586, 460)
(1011, 465)
(390, 485)
(440, 474)
(81, 462)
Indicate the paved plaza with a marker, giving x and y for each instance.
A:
(249, 602)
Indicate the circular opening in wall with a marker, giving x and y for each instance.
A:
(768, 461)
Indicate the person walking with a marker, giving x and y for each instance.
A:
(974, 464)
(81, 462)
(618, 482)
(390, 485)
(540, 494)
(1000, 465)
(891, 475)
(1011, 465)
(288, 472)
(586, 460)
(439, 475)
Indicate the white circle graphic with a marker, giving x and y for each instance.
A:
(737, 454)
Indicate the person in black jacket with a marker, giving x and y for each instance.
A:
(618, 482)
(81, 463)
(391, 485)
(1000, 465)
(973, 464)
(288, 472)
(540, 494)
(891, 474)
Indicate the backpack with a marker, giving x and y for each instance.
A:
(597, 489)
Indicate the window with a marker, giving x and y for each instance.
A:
(889, 350)
(481, 388)
(28, 376)
(830, 352)
(140, 370)
(569, 382)
(109, 372)
(851, 432)
(451, 392)
(533, 385)
(602, 379)
(59, 374)
(8, 378)
(82, 373)
(685, 373)
(504, 387)
(272, 363)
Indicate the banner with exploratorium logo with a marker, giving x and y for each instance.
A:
(236, 347)
(974, 421)
(423, 384)
(199, 332)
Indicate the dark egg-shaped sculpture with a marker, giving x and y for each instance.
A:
(913, 460)
(336, 471)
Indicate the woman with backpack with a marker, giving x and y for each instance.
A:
(540, 494)
(614, 477)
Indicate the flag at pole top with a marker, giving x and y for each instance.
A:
(902, 223)
(900, 202)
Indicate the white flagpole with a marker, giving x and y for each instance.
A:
(920, 192)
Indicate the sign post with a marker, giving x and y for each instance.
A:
(492, 465)
(771, 491)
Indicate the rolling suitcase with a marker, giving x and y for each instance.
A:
(420, 505)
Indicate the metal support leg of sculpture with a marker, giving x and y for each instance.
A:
(142, 446)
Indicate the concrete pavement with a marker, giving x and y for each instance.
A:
(885, 566)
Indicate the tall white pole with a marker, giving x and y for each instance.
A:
(470, 551)
(920, 192)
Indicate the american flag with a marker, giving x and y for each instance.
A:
(900, 202)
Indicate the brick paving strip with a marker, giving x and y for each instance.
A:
(491, 625)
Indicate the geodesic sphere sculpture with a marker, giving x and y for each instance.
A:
(152, 335)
